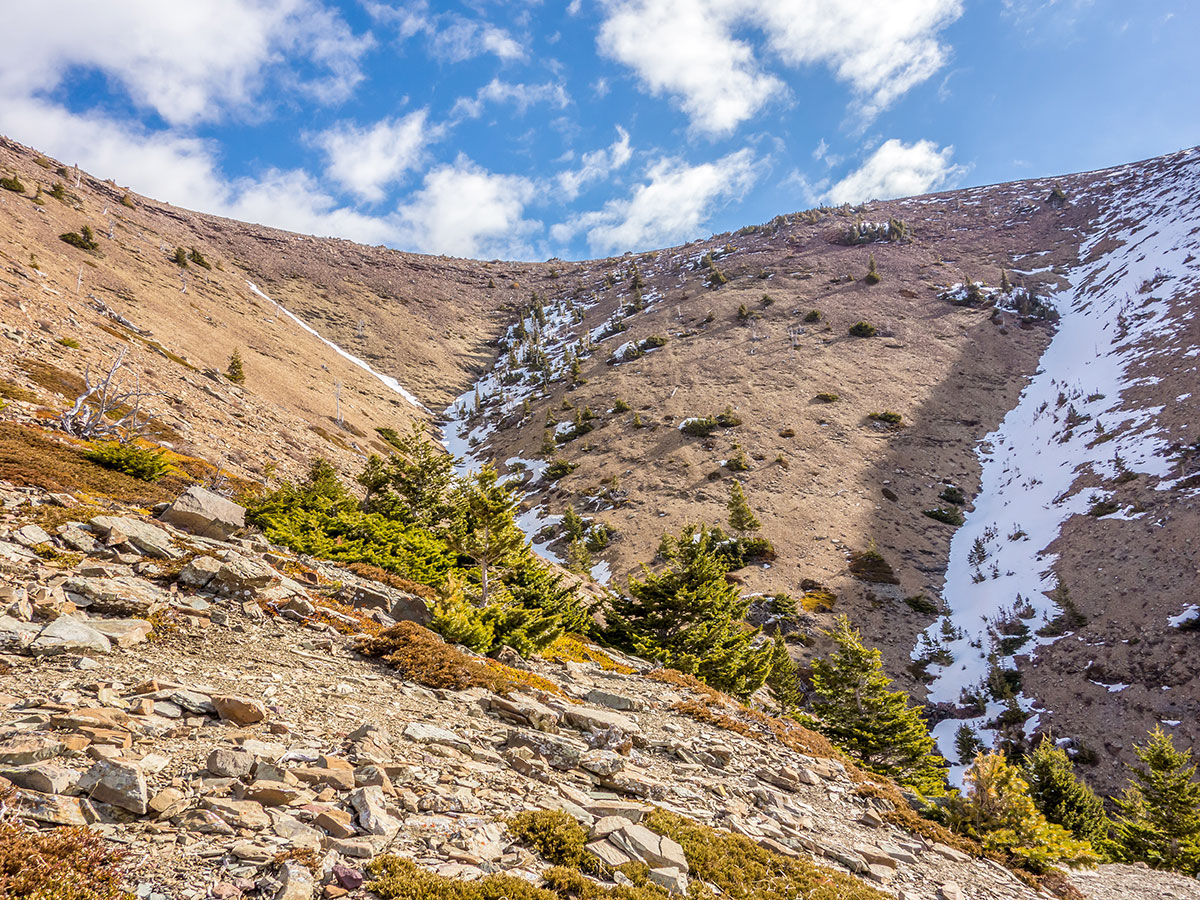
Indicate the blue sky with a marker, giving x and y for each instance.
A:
(528, 129)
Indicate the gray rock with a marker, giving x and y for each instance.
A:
(45, 778)
(225, 763)
(295, 882)
(204, 513)
(600, 720)
(122, 595)
(199, 572)
(123, 632)
(15, 634)
(73, 535)
(67, 634)
(608, 854)
(373, 817)
(31, 535)
(653, 849)
(614, 701)
(149, 539)
(420, 733)
(26, 749)
(51, 809)
(117, 783)
(242, 576)
(602, 762)
(671, 878)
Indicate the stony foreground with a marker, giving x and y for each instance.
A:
(194, 702)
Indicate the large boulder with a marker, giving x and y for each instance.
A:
(149, 539)
(67, 634)
(204, 513)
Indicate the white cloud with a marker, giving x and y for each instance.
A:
(367, 160)
(522, 96)
(596, 165)
(187, 61)
(670, 206)
(696, 52)
(464, 210)
(686, 48)
(896, 169)
(449, 36)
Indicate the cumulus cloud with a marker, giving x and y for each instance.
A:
(686, 49)
(188, 62)
(596, 165)
(464, 210)
(696, 51)
(671, 204)
(449, 36)
(897, 169)
(366, 160)
(522, 96)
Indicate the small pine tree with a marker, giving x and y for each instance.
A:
(784, 679)
(572, 525)
(741, 517)
(966, 744)
(999, 812)
(856, 709)
(181, 258)
(1158, 818)
(872, 276)
(691, 618)
(1062, 797)
(1005, 284)
(579, 558)
(234, 372)
(484, 525)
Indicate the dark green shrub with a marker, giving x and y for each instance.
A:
(947, 514)
(813, 316)
(621, 406)
(869, 565)
(69, 342)
(728, 418)
(12, 184)
(887, 417)
(653, 342)
(1062, 797)
(862, 330)
(145, 463)
(827, 397)
(699, 426)
(198, 258)
(952, 494)
(921, 604)
(127, 201)
(560, 467)
(58, 192)
(84, 239)
(181, 257)
(556, 836)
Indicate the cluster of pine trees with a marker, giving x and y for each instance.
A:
(459, 535)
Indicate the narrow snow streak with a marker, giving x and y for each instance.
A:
(387, 380)
(1143, 253)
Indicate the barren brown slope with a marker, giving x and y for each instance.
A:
(821, 472)
(423, 320)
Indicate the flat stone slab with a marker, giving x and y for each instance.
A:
(67, 634)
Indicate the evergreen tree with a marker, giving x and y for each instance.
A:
(741, 517)
(784, 679)
(235, 372)
(579, 558)
(412, 485)
(966, 743)
(691, 618)
(999, 811)
(484, 526)
(856, 709)
(1062, 797)
(572, 525)
(872, 276)
(1159, 813)
(181, 258)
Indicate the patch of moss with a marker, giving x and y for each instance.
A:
(60, 864)
(573, 648)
